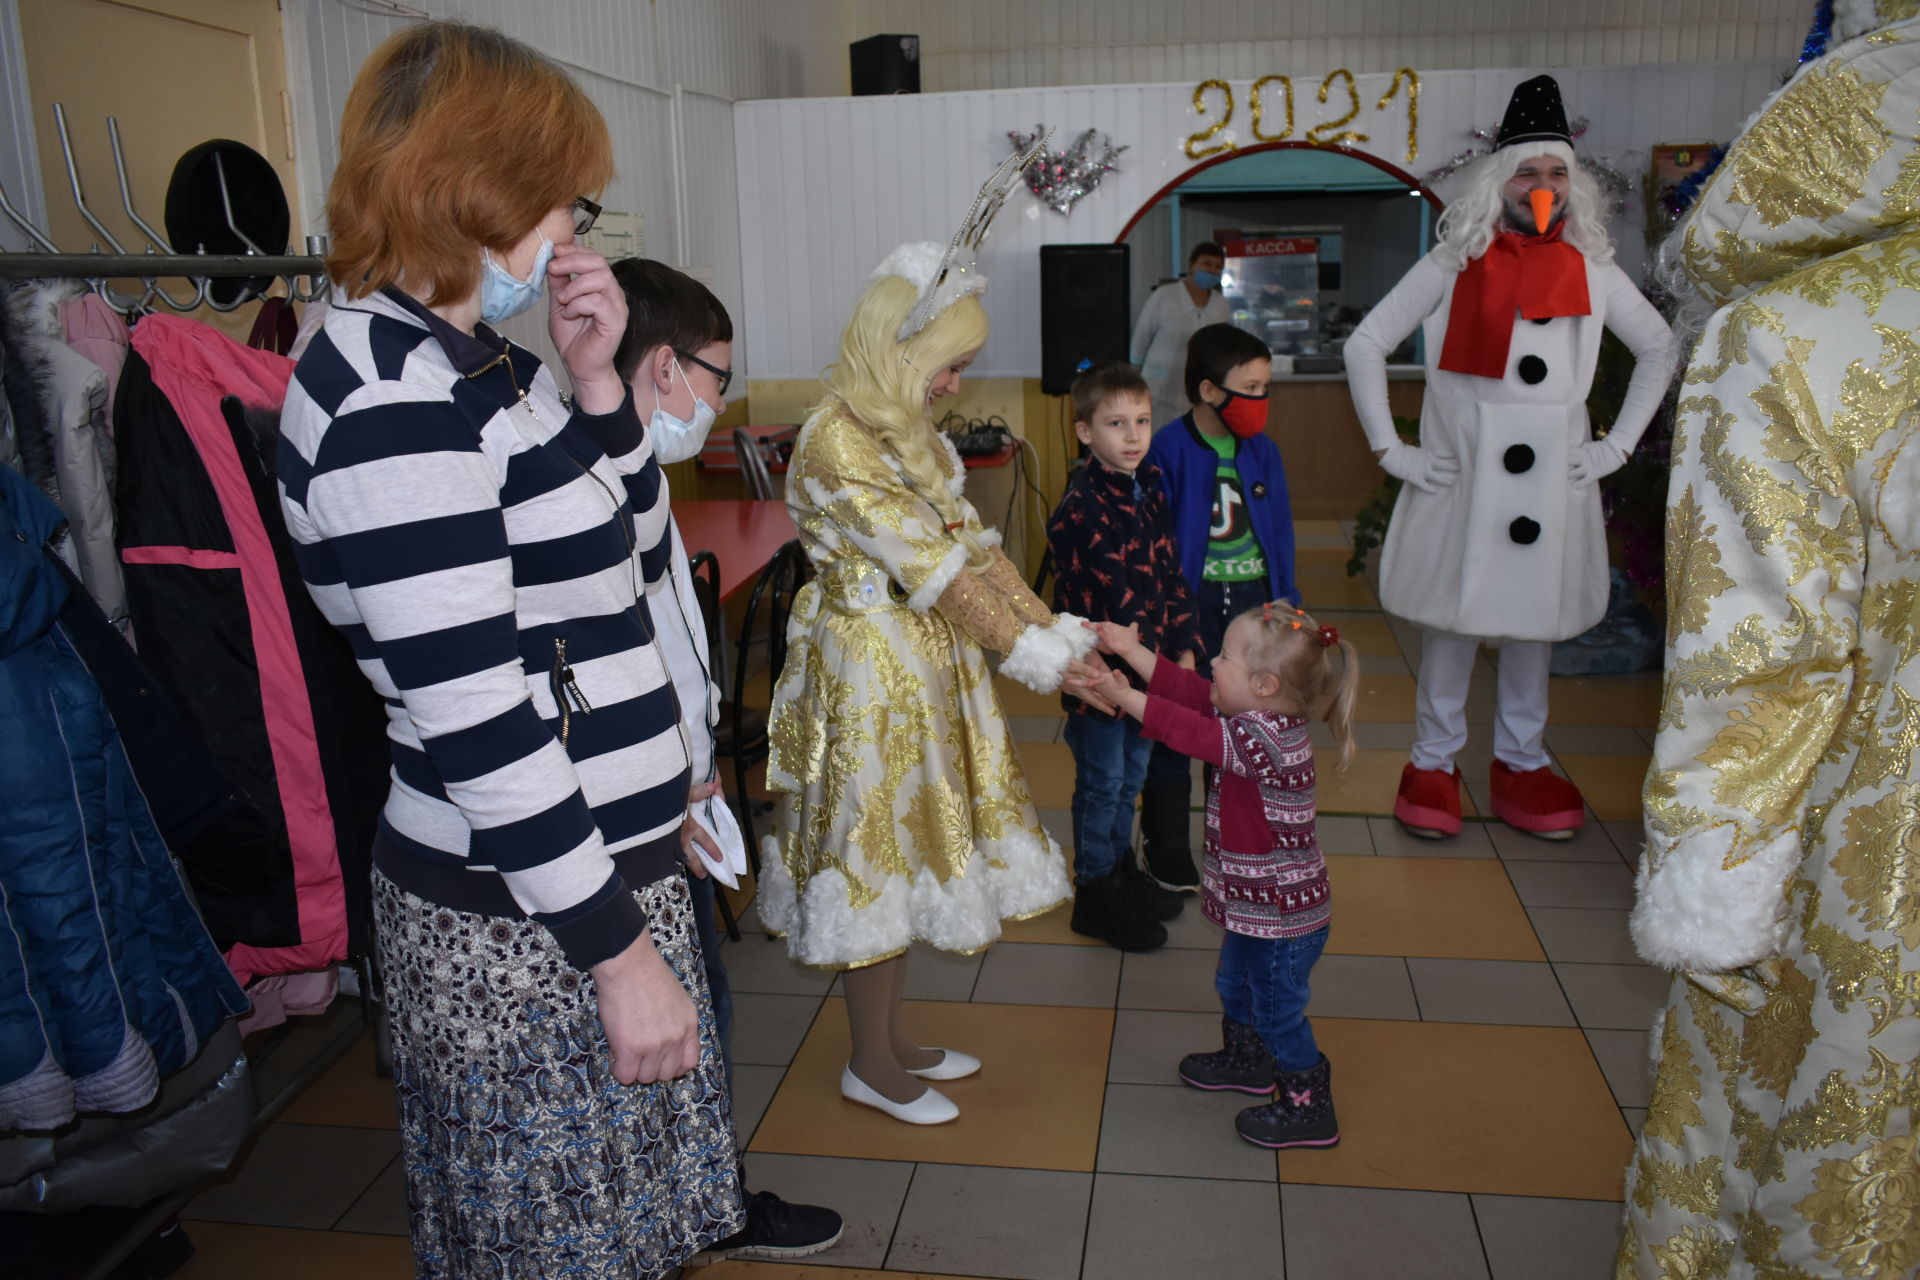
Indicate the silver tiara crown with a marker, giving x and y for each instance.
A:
(954, 275)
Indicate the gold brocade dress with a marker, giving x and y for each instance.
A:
(1782, 873)
(903, 811)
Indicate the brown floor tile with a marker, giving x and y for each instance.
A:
(1040, 728)
(1630, 700)
(1318, 527)
(1611, 783)
(1054, 926)
(1385, 698)
(800, 1271)
(1034, 1105)
(225, 1250)
(1367, 786)
(1323, 589)
(1018, 700)
(349, 1094)
(1595, 739)
(1494, 1110)
(1049, 770)
(1458, 908)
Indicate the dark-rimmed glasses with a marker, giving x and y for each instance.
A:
(585, 214)
(724, 375)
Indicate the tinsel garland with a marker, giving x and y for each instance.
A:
(1820, 35)
(1061, 178)
(1616, 186)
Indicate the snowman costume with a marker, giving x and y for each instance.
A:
(1497, 537)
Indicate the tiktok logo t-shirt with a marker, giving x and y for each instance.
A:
(1233, 552)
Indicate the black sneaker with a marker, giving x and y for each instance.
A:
(1101, 910)
(1165, 837)
(1146, 895)
(776, 1229)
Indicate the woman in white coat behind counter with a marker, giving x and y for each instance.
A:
(1175, 312)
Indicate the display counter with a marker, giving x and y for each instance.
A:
(1330, 469)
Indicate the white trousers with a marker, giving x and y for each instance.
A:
(1440, 712)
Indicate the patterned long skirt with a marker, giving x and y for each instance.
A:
(525, 1158)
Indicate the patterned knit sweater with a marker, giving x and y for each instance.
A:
(1263, 874)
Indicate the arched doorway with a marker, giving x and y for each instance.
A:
(1313, 237)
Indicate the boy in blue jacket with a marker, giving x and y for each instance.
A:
(1233, 524)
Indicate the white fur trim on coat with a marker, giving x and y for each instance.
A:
(1039, 658)
(1007, 879)
(1073, 630)
(939, 580)
(1695, 913)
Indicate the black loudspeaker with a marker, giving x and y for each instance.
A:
(885, 64)
(1084, 316)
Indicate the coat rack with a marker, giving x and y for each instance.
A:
(161, 261)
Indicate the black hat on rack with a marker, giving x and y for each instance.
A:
(1535, 114)
(197, 216)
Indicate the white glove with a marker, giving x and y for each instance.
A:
(1592, 460)
(1419, 467)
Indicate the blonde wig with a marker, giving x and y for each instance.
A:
(883, 382)
(1478, 214)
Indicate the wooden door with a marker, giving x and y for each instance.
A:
(175, 73)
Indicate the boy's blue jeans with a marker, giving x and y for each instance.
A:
(1263, 984)
(1109, 768)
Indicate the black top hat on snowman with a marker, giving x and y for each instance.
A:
(1534, 114)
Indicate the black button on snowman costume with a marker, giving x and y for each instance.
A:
(1497, 534)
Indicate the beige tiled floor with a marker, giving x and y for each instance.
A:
(1479, 999)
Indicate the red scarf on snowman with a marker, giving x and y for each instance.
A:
(1539, 276)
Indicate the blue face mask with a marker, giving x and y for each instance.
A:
(501, 296)
(1208, 280)
(676, 440)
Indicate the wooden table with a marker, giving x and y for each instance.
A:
(718, 453)
(742, 536)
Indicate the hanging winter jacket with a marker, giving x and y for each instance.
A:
(108, 980)
(217, 625)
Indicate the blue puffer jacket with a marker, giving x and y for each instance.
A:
(108, 980)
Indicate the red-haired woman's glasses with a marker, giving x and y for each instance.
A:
(585, 214)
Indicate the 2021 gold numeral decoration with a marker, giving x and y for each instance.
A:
(1411, 78)
(1330, 133)
(1195, 149)
(1259, 87)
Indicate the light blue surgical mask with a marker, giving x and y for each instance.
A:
(675, 439)
(1208, 280)
(501, 296)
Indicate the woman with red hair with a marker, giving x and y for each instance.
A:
(484, 544)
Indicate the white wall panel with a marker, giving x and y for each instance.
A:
(829, 186)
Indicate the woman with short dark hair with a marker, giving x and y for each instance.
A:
(1174, 313)
(485, 545)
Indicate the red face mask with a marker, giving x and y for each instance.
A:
(1245, 416)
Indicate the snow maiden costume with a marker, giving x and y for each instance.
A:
(904, 814)
(1781, 879)
(1496, 537)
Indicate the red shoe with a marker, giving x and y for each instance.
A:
(1428, 805)
(1537, 801)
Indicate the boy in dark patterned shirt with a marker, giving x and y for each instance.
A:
(1115, 561)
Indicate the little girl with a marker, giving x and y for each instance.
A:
(1263, 878)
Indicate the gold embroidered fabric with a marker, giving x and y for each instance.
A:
(903, 811)
(1783, 808)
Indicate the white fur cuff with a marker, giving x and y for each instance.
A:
(939, 580)
(1038, 659)
(1080, 640)
(1695, 914)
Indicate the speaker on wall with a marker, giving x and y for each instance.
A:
(1084, 312)
(885, 64)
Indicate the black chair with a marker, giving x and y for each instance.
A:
(705, 570)
(753, 464)
(743, 731)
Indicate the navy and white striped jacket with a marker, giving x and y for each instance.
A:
(481, 549)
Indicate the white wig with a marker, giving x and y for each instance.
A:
(1473, 219)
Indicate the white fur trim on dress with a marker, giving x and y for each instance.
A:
(1038, 659)
(939, 580)
(1073, 629)
(919, 264)
(988, 538)
(1695, 913)
(957, 479)
(823, 927)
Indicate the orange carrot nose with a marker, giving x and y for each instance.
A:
(1542, 201)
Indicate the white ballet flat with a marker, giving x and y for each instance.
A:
(931, 1107)
(953, 1065)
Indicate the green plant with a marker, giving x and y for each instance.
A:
(1370, 525)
